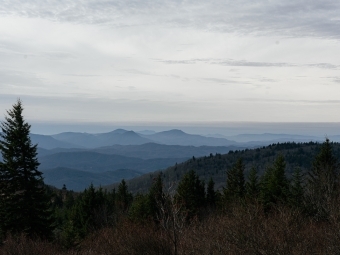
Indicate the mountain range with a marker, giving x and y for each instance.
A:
(297, 155)
(76, 159)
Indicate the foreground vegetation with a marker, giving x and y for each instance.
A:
(264, 210)
(253, 215)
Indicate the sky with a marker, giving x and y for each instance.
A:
(152, 61)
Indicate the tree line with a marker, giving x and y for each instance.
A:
(67, 218)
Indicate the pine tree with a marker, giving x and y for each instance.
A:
(25, 204)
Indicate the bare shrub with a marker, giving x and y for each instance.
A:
(127, 238)
(247, 230)
(22, 245)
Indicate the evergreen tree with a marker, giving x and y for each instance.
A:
(274, 184)
(191, 194)
(323, 182)
(139, 209)
(211, 193)
(297, 189)
(146, 207)
(253, 184)
(155, 197)
(24, 201)
(235, 181)
(123, 197)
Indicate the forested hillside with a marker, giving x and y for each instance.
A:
(281, 199)
(275, 212)
(216, 165)
(106, 165)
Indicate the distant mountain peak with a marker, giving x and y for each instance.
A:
(130, 133)
(146, 132)
(119, 131)
(174, 132)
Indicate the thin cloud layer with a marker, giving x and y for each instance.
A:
(171, 60)
(298, 18)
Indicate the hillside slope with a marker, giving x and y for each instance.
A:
(97, 162)
(215, 166)
(78, 180)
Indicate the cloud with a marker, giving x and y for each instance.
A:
(83, 75)
(12, 78)
(245, 63)
(335, 79)
(325, 66)
(249, 63)
(220, 81)
(225, 62)
(290, 101)
(58, 55)
(128, 50)
(299, 18)
(267, 80)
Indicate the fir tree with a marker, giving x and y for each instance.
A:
(191, 193)
(235, 181)
(323, 182)
(297, 189)
(123, 197)
(25, 204)
(211, 193)
(252, 185)
(274, 184)
(155, 197)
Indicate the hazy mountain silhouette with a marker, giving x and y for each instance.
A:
(178, 137)
(48, 142)
(119, 136)
(78, 180)
(269, 137)
(98, 162)
(154, 150)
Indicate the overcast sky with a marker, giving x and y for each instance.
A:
(171, 61)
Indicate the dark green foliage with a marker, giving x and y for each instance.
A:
(139, 210)
(235, 187)
(296, 198)
(92, 209)
(323, 182)
(24, 201)
(123, 197)
(253, 185)
(274, 184)
(190, 194)
(155, 197)
(146, 207)
(272, 205)
(211, 194)
(295, 154)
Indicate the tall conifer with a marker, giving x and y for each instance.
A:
(323, 182)
(235, 187)
(25, 205)
(191, 193)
